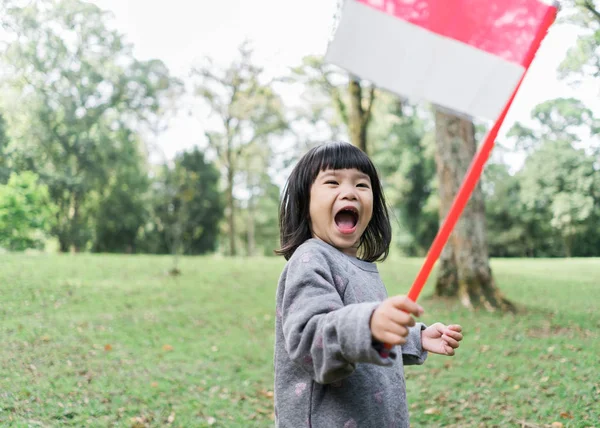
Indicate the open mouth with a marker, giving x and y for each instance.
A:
(346, 219)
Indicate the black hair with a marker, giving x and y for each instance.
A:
(294, 214)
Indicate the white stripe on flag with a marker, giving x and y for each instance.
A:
(420, 65)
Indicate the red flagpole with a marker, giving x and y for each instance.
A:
(475, 170)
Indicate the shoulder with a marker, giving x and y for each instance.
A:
(313, 252)
(313, 262)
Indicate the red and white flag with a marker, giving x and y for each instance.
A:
(465, 55)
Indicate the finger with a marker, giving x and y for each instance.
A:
(453, 334)
(407, 305)
(401, 318)
(393, 339)
(455, 327)
(450, 341)
(449, 351)
(397, 329)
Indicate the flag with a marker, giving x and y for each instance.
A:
(468, 56)
(465, 55)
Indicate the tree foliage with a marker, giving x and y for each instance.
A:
(583, 59)
(73, 92)
(26, 212)
(556, 196)
(185, 209)
(77, 106)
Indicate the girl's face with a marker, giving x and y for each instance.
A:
(341, 206)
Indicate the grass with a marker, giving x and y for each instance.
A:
(101, 340)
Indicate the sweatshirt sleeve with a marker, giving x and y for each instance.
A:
(322, 335)
(412, 350)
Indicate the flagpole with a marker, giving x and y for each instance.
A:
(476, 168)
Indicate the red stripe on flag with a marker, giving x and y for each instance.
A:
(505, 28)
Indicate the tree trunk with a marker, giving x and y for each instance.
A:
(357, 117)
(230, 205)
(251, 231)
(63, 243)
(75, 225)
(568, 246)
(465, 270)
(447, 281)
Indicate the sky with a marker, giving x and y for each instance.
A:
(181, 32)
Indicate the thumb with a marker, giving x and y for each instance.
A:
(440, 328)
(437, 329)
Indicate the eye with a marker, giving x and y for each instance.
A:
(365, 185)
(335, 183)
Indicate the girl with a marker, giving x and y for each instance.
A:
(333, 315)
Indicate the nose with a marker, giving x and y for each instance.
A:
(348, 192)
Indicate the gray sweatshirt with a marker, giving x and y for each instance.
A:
(328, 371)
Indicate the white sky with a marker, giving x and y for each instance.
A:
(180, 32)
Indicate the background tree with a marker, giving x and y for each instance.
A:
(351, 98)
(583, 59)
(4, 165)
(560, 181)
(513, 230)
(260, 205)
(186, 207)
(247, 110)
(203, 202)
(121, 207)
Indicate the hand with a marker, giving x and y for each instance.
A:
(391, 319)
(441, 339)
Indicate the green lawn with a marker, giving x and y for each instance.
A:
(99, 340)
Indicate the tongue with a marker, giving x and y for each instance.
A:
(345, 221)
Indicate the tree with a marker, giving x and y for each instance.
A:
(464, 270)
(563, 119)
(583, 59)
(561, 181)
(261, 202)
(267, 209)
(72, 86)
(359, 112)
(203, 203)
(4, 166)
(26, 212)
(558, 179)
(514, 230)
(186, 207)
(351, 98)
(248, 112)
(121, 209)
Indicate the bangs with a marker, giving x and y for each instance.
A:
(341, 155)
